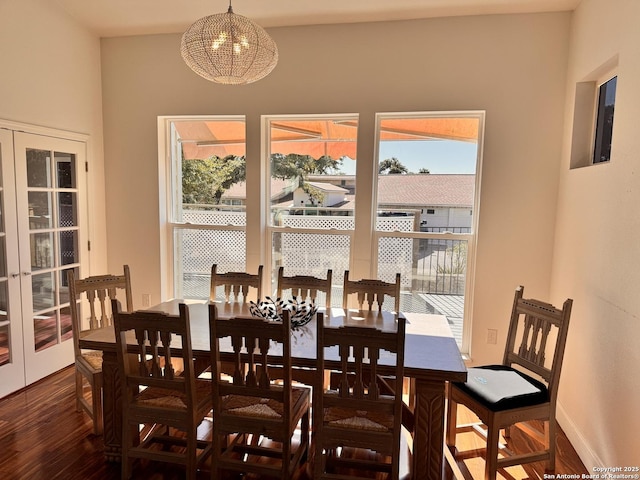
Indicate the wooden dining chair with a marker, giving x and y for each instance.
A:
(358, 414)
(254, 419)
(98, 291)
(305, 286)
(370, 291)
(523, 388)
(236, 285)
(170, 405)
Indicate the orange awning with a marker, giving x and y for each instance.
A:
(202, 139)
(335, 138)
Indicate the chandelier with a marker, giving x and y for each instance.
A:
(229, 48)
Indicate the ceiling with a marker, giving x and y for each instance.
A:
(111, 18)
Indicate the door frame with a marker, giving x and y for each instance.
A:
(47, 362)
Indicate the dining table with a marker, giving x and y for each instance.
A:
(432, 358)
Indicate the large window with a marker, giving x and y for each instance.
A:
(425, 198)
(407, 204)
(208, 211)
(312, 195)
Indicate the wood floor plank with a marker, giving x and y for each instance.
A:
(42, 437)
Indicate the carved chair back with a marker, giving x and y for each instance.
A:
(370, 291)
(236, 284)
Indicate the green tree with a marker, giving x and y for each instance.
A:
(204, 181)
(300, 167)
(392, 166)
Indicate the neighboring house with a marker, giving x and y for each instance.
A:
(237, 193)
(330, 195)
(443, 201)
(344, 181)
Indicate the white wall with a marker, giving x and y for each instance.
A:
(51, 77)
(597, 253)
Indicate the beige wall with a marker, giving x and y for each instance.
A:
(597, 253)
(51, 77)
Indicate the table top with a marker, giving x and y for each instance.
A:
(430, 349)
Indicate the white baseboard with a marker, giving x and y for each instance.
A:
(578, 441)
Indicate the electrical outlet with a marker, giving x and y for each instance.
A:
(146, 299)
(492, 336)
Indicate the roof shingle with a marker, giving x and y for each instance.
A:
(427, 189)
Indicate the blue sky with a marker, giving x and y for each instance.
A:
(439, 156)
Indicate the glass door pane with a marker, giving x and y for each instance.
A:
(38, 168)
(51, 193)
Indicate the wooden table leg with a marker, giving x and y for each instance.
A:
(112, 409)
(428, 438)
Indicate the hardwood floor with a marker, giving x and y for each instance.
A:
(42, 437)
(567, 460)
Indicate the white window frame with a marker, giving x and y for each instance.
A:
(169, 225)
(271, 229)
(364, 238)
(470, 238)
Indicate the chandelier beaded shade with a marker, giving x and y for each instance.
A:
(229, 48)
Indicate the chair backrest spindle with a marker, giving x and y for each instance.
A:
(305, 287)
(236, 285)
(532, 324)
(370, 292)
(99, 290)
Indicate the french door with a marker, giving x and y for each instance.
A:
(11, 351)
(42, 236)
